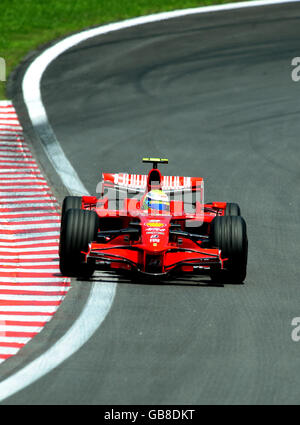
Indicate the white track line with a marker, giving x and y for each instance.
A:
(101, 296)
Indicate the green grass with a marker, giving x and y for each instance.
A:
(28, 24)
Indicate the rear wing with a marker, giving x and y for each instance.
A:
(121, 194)
(138, 182)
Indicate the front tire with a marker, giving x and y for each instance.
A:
(78, 229)
(229, 234)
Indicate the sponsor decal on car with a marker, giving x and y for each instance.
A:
(155, 224)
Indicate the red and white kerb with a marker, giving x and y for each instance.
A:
(31, 286)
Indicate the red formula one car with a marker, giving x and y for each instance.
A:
(154, 225)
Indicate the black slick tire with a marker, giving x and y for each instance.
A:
(229, 234)
(78, 229)
(232, 209)
(69, 203)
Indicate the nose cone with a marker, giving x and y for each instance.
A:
(155, 233)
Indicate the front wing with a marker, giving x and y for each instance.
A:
(137, 258)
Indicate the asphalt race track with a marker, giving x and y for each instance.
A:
(214, 94)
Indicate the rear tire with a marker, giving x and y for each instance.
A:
(232, 209)
(229, 234)
(69, 203)
(78, 229)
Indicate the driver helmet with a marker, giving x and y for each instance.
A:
(156, 200)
